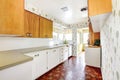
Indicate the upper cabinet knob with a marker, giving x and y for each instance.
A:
(27, 34)
(30, 34)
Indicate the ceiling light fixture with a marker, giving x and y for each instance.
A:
(64, 9)
(84, 9)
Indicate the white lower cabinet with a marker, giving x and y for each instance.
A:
(70, 50)
(34, 55)
(63, 51)
(18, 72)
(44, 61)
(39, 66)
(60, 54)
(53, 58)
(92, 56)
(34, 68)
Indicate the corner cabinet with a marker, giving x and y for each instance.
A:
(12, 17)
(46, 28)
(37, 26)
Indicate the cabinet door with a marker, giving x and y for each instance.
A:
(31, 24)
(46, 28)
(43, 24)
(35, 57)
(53, 58)
(70, 50)
(92, 57)
(95, 8)
(42, 63)
(39, 63)
(12, 17)
(34, 67)
(61, 53)
(50, 29)
(65, 54)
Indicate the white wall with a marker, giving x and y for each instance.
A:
(9, 43)
(110, 39)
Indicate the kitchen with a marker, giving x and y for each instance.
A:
(37, 36)
(28, 49)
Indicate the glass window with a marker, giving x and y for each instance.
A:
(60, 36)
(68, 36)
(55, 35)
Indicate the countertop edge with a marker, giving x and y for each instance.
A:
(15, 64)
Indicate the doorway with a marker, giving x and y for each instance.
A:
(82, 39)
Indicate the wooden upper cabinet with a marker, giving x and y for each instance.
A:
(37, 26)
(12, 17)
(31, 24)
(14, 20)
(46, 28)
(50, 29)
(96, 7)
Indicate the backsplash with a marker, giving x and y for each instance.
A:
(110, 40)
(10, 43)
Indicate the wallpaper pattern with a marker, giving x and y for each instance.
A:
(74, 39)
(110, 39)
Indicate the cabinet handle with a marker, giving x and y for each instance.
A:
(35, 55)
(27, 34)
(30, 34)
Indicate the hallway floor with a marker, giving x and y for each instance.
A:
(73, 69)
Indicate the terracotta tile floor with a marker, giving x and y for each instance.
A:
(73, 69)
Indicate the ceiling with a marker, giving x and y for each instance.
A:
(53, 8)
